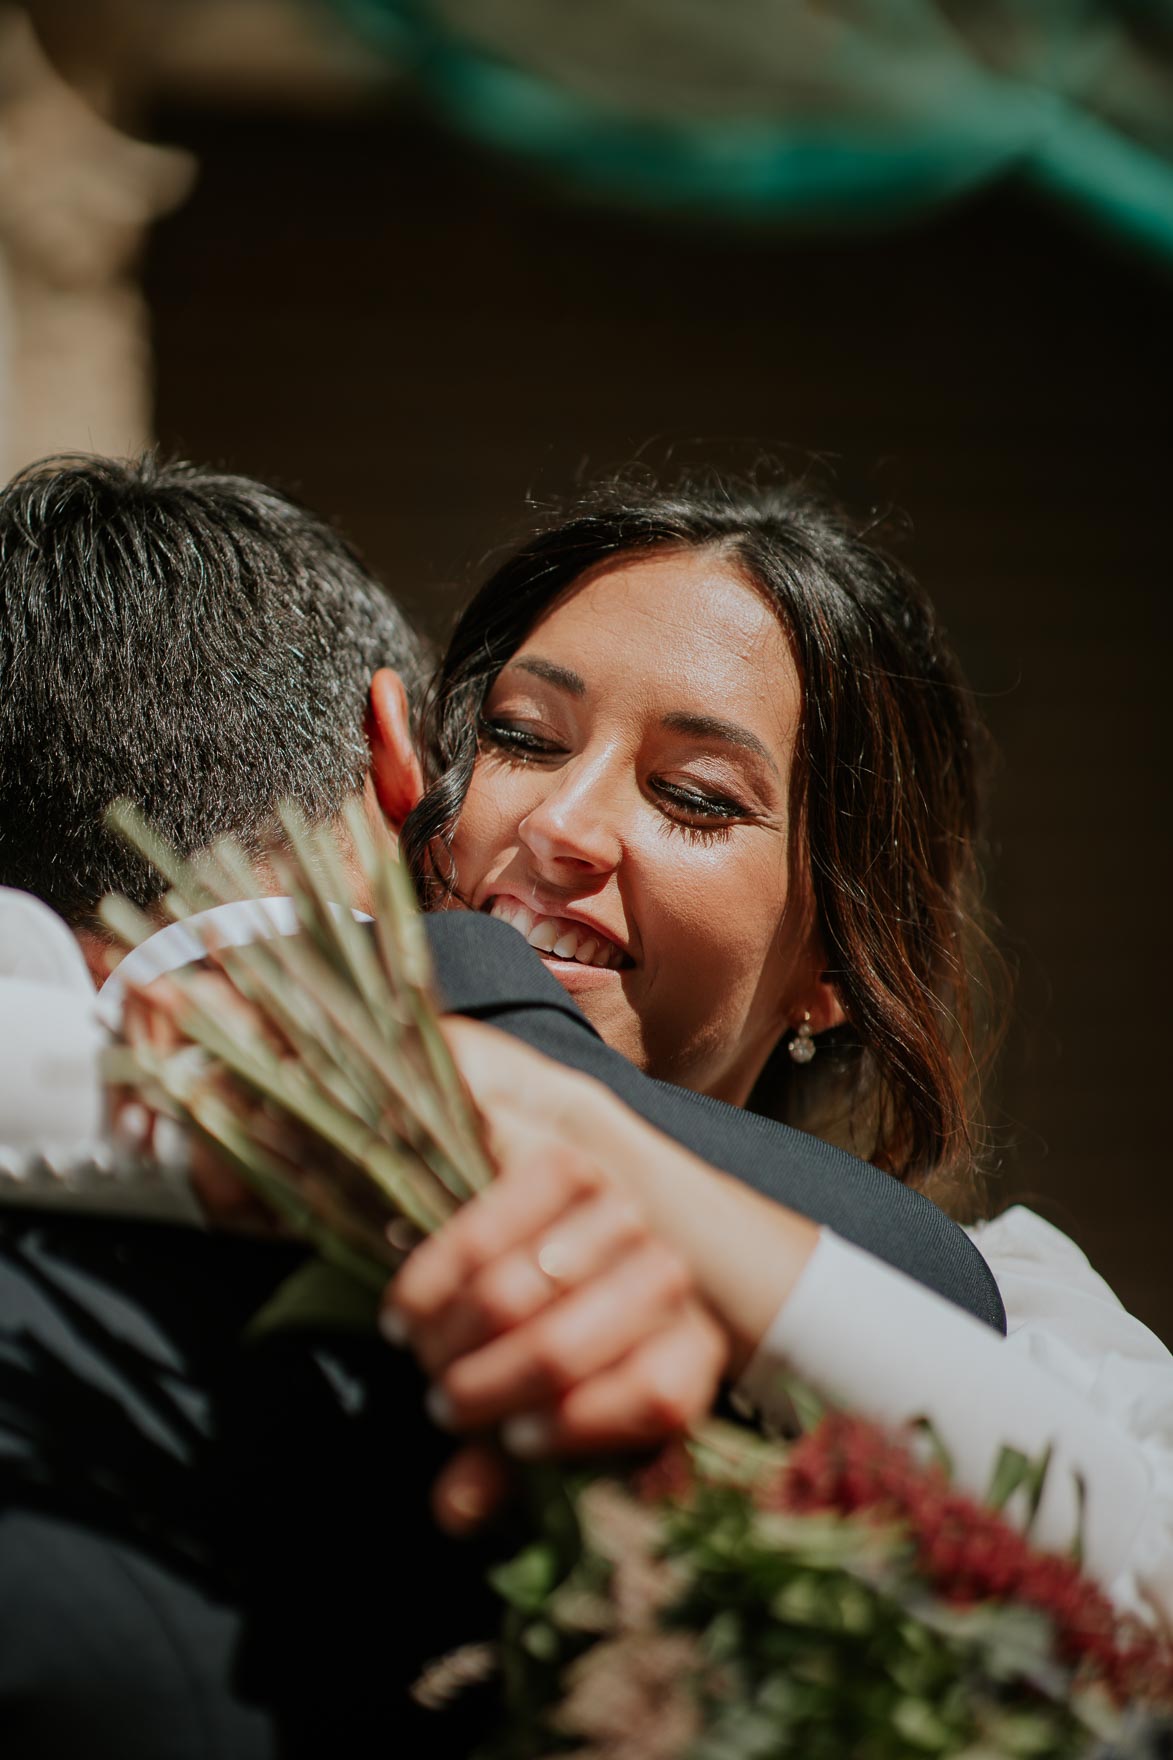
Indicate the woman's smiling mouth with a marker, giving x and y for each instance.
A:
(558, 939)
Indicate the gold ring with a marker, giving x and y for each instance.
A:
(552, 1261)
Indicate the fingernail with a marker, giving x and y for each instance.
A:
(555, 1258)
(403, 1235)
(527, 1436)
(440, 1409)
(393, 1327)
(133, 1126)
(466, 1502)
(172, 1146)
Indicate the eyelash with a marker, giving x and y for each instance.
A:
(518, 746)
(515, 741)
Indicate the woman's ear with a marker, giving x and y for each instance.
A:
(826, 1010)
(395, 769)
(819, 997)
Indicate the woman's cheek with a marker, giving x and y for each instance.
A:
(728, 910)
(481, 829)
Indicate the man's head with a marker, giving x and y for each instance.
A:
(191, 640)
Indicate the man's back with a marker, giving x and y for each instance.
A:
(207, 1533)
(119, 1616)
(197, 643)
(209, 1545)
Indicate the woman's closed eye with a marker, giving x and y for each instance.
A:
(696, 812)
(521, 743)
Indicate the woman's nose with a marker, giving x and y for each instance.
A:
(574, 827)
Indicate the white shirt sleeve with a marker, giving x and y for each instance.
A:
(1076, 1373)
(36, 943)
(55, 1147)
(50, 1039)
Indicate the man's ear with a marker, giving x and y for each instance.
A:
(395, 769)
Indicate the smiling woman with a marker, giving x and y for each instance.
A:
(708, 751)
(632, 796)
(710, 754)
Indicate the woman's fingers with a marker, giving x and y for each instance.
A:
(667, 1383)
(583, 1242)
(664, 1385)
(471, 1487)
(548, 1304)
(586, 1331)
(497, 1068)
(513, 1210)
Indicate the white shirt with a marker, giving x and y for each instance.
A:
(183, 944)
(1076, 1371)
(51, 1093)
(55, 1148)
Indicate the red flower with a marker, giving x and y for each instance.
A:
(966, 1552)
(670, 1477)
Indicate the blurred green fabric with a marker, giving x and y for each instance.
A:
(809, 112)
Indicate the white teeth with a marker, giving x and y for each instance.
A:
(513, 912)
(555, 935)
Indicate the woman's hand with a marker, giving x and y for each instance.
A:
(549, 1306)
(744, 1252)
(596, 1294)
(151, 1016)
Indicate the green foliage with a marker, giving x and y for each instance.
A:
(320, 1297)
(528, 1579)
(332, 1092)
(1015, 1471)
(815, 1638)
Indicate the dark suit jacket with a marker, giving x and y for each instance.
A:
(217, 1549)
(480, 963)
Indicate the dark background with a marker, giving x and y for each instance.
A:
(414, 336)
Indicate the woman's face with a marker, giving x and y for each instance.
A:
(629, 813)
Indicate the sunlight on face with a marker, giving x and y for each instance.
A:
(629, 813)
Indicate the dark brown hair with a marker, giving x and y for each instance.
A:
(189, 639)
(885, 798)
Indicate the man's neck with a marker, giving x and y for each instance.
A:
(99, 952)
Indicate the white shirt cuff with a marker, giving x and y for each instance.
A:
(873, 1341)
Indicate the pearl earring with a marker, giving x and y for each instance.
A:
(802, 1047)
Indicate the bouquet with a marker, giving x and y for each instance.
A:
(734, 1598)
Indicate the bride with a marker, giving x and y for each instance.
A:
(709, 752)
(727, 735)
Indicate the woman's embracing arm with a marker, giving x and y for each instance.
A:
(744, 1252)
(873, 1341)
(789, 1298)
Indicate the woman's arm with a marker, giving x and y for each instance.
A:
(745, 1252)
(870, 1340)
(790, 1298)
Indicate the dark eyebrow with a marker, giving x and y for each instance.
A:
(713, 727)
(556, 675)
